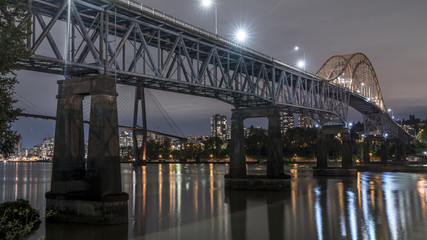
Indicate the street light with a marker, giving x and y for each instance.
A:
(391, 111)
(207, 4)
(301, 64)
(241, 35)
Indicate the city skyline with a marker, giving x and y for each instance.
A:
(390, 37)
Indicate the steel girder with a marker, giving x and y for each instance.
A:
(356, 73)
(142, 46)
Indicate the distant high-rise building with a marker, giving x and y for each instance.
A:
(305, 122)
(219, 127)
(125, 139)
(36, 151)
(47, 148)
(286, 121)
(18, 148)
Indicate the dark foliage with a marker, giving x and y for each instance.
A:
(18, 219)
(14, 30)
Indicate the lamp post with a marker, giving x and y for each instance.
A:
(208, 4)
(301, 62)
(391, 111)
(241, 35)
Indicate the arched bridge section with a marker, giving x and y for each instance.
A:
(141, 46)
(356, 73)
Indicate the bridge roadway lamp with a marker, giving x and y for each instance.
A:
(241, 35)
(391, 111)
(208, 4)
(301, 64)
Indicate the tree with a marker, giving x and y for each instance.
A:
(256, 143)
(14, 29)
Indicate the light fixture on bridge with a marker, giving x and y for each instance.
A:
(301, 64)
(296, 48)
(241, 35)
(207, 3)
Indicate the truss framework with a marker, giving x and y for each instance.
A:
(144, 47)
(356, 73)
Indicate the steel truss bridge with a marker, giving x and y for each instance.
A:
(144, 47)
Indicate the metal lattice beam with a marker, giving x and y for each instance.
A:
(144, 47)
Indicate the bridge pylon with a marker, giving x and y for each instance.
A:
(140, 153)
(87, 191)
(322, 168)
(237, 177)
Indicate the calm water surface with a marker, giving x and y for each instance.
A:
(187, 201)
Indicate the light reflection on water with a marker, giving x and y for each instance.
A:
(188, 201)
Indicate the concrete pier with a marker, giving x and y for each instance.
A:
(322, 168)
(237, 149)
(91, 194)
(383, 150)
(365, 146)
(237, 177)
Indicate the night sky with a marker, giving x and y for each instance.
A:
(391, 33)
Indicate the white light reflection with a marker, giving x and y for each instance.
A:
(369, 231)
(179, 192)
(133, 191)
(389, 204)
(318, 214)
(352, 214)
(4, 183)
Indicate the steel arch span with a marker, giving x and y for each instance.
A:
(356, 73)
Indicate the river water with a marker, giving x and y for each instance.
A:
(188, 201)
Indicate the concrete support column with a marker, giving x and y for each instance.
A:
(383, 151)
(103, 167)
(366, 157)
(397, 152)
(237, 145)
(346, 153)
(275, 146)
(93, 195)
(68, 170)
(322, 158)
(403, 151)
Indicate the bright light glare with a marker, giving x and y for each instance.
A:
(301, 64)
(296, 48)
(241, 35)
(207, 3)
(389, 110)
